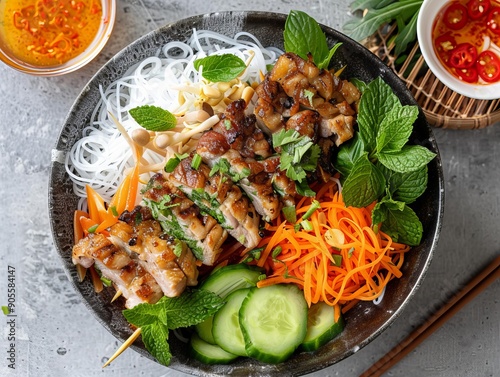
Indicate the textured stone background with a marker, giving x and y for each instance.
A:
(57, 335)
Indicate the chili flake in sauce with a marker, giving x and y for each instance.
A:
(49, 32)
(466, 38)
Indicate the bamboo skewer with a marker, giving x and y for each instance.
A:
(131, 339)
(117, 294)
(477, 285)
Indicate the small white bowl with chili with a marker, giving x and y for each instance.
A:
(460, 42)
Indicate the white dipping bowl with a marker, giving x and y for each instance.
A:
(425, 22)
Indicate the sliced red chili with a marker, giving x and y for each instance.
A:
(478, 8)
(455, 16)
(494, 20)
(469, 75)
(463, 56)
(444, 44)
(488, 66)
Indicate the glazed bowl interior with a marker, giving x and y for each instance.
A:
(8, 57)
(366, 320)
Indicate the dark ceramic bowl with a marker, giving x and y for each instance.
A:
(365, 321)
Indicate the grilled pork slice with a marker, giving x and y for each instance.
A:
(182, 219)
(250, 175)
(136, 284)
(216, 194)
(169, 261)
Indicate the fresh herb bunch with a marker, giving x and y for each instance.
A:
(379, 12)
(379, 164)
(155, 320)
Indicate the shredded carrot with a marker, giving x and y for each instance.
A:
(341, 260)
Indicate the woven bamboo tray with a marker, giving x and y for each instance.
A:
(442, 106)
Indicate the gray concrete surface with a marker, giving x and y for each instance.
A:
(57, 336)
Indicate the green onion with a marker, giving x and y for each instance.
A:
(195, 164)
(306, 225)
(114, 211)
(314, 206)
(93, 228)
(290, 214)
(277, 251)
(337, 260)
(106, 281)
(171, 164)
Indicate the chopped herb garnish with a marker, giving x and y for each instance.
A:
(174, 161)
(314, 206)
(107, 282)
(228, 124)
(290, 214)
(195, 164)
(298, 156)
(276, 252)
(114, 211)
(93, 228)
(337, 260)
(306, 225)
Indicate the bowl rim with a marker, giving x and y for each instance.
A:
(425, 21)
(85, 57)
(195, 368)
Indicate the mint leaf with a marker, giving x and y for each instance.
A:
(361, 85)
(410, 158)
(153, 118)
(377, 100)
(191, 308)
(220, 68)
(348, 153)
(155, 338)
(396, 128)
(170, 313)
(403, 226)
(146, 314)
(364, 184)
(303, 35)
(406, 187)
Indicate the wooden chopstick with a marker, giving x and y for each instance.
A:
(471, 290)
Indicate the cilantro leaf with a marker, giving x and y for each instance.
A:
(303, 36)
(364, 184)
(298, 154)
(409, 158)
(220, 68)
(153, 118)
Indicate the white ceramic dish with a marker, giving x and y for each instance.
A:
(426, 17)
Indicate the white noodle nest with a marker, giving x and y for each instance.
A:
(102, 157)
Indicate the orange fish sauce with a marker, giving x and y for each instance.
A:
(49, 32)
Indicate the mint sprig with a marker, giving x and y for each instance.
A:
(155, 320)
(303, 36)
(153, 118)
(379, 164)
(220, 68)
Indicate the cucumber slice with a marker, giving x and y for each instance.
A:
(222, 282)
(324, 323)
(208, 353)
(273, 320)
(226, 325)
